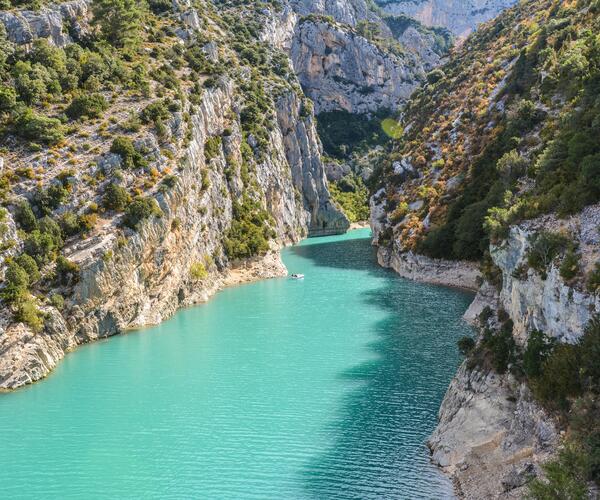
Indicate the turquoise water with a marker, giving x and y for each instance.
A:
(325, 388)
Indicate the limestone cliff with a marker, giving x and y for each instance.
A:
(211, 169)
(460, 17)
(341, 67)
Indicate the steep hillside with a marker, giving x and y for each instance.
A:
(509, 124)
(144, 153)
(499, 165)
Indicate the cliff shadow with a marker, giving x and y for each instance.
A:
(383, 421)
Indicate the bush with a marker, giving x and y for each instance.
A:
(569, 267)
(198, 271)
(17, 283)
(139, 210)
(212, 148)
(58, 301)
(545, 247)
(249, 232)
(67, 272)
(539, 347)
(559, 379)
(30, 266)
(593, 280)
(24, 216)
(501, 346)
(565, 477)
(87, 105)
(31, 126)
(43, 244)
(28, 313)
(131, 158)
(466, 345)
(116, 197)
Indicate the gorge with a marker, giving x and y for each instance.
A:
(153, 154)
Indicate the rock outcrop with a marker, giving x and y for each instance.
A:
(55, 23)
(549, 304)
(491, 436)
(460, 17)
(339, 69)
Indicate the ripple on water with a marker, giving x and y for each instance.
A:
(325, 389)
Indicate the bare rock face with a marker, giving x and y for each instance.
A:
(436, 271)
(491, 435)
(344, 11)
(23, 27)
(551, 305)
(459, 16)
(340, 69)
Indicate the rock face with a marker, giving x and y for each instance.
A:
(436, 271)
(344, 11)
(550, 305)
(23, 27)
(491, 435)
(339, 69)
(459, 16)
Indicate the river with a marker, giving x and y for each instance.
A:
(324, 388)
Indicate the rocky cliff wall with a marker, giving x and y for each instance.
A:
(339, 69)
(53, 23)
(461, 17)
(492, 435)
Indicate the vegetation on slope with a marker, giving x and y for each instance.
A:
(95, 130)
(507, 130)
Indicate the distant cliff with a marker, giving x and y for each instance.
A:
(460, 17)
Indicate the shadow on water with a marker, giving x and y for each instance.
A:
(379, 450)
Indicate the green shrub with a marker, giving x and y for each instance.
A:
(24, 216)
(31, 126)
(212, 148)
(249, 233)
(67, 272)
(28, 313)
(565, 477)
(466, 345)
(539, 347)
(17, 283)
(116, 197)
(120, 21)
(560, 377)
(593, 279)
(140, 209)
(569, 267)
(544, 247)
(43, 244)
(198, 271)
(87, 105)
(30, 266)
(131, 158)
(501, 346)
(58, 301)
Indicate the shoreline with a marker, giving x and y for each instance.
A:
(268, 266)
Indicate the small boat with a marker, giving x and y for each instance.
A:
(297, 276)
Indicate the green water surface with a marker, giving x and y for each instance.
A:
(325, 388)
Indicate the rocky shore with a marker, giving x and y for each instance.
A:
(492, 436)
